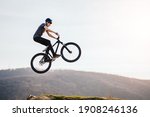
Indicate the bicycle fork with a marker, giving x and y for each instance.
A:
(68, 50)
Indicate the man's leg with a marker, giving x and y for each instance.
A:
(45, 42)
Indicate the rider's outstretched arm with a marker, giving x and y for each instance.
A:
(48, 31)
(50, 35)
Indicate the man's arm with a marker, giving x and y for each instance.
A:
(50, 35)
(48, 31)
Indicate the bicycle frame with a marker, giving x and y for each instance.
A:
(57, 44)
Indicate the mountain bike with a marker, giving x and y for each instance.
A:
(41, 62)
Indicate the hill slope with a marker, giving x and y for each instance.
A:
(20, 83)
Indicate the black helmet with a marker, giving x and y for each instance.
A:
(48, 20)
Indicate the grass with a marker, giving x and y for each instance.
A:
(61, 97)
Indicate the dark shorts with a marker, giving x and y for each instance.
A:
(42, 41)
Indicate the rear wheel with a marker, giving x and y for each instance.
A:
(40, 63)
(70, 52)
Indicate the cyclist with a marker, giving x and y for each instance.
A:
(38, 36)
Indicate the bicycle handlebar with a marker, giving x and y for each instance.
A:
(58, 39)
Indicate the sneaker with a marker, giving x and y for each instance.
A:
(56, 55)
(53, 59)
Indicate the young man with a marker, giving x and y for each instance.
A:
(38, 36)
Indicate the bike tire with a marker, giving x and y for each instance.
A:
(44, 70)
(67, 46)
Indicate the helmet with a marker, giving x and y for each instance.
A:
(48, 20)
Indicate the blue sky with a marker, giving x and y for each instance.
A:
(114, 34)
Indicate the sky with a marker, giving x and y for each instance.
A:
(114, 35)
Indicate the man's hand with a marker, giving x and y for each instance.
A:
(57, 34)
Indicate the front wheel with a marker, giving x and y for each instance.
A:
(71, 52)
(40, 63)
